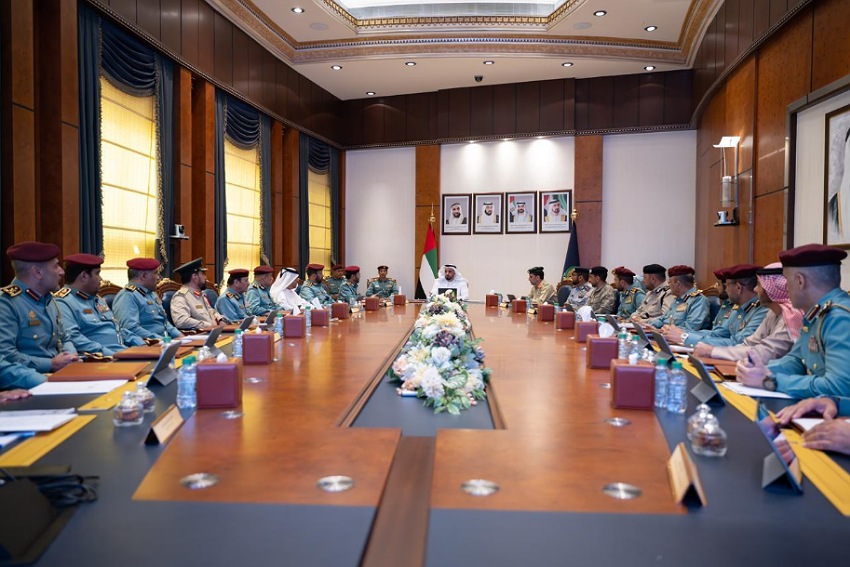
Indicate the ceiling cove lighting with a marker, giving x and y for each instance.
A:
(298, 10)
(370, 93)
(599, 13)
(650, 68)
(650, 28)
(336, 67)
(411, 63)
(567, 64)
(488, 62)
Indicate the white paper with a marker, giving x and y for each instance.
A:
(6, 440)
(754, 392)
(627, 325)
(806, 423)
(679, 349)
(10, 423)
(193, 338)
(59, 388)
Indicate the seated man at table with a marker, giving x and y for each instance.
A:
(448, 277)
(283, 290)
(258, 298)
(138, 308)
(190, 309)
(831, 435)
(658, 298)
(777, 332)
(689, 310)
(541, 291)
(631, 294)
(819, 360)
(603, 297)
(726, 304)
(337, 279)
(32, 337)
(313, 288)
(580, 293)
(382, 286)
(231, 305)
(348, 290)
(743, 320)
(89, 322)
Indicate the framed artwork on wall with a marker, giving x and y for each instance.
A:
(456, 214)
(836, 222)
(489, 213)
(555, 207)
(521, 213)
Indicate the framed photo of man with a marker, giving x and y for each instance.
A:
(555, 207)
(521, 212)
(836, 226)
(489, 216)
(456, 214)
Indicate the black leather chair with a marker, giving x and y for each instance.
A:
(212, 296)
(166, 303)
(713, 308)
(166, 289)
(108, 291)
(564, 294)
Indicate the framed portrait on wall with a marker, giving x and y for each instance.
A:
(489, 216)
(836, 222)
(456, 214)
(555, 207)
(521, 212)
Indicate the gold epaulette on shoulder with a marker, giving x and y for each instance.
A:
(825, 308)
(62, 292)
(11, 290)
(393, 280)
(182, 291)
(231, 295)
(370, 280)
(695, 293)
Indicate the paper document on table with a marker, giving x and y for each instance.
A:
(679, 349)
(627, 325)
(6, 440)
(194, 338)
(19, 423)
(754, 392)
(58, 388)
(806, 423)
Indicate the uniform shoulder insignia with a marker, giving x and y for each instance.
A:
(695, 293)
(827, 307)
(62, 292)
(231, 295)
(370, 280)
(182, 291)
(632, 291)
(130, 287)
(392, 280)
(11, 290)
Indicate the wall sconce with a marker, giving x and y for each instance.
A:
(728, 213)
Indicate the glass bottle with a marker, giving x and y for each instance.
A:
(145, 397)
(128, 412)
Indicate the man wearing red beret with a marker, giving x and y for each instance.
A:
(138, 308)
(689, 310)
(333, 283)
(725, 304)
(631, 294)
(313, 288)
(818, 363)
(32, 338)
(348, 290)
(231, 305)
(88, 320)
(258, 297)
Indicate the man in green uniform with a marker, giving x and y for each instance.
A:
(313, 288)
(231, 305)
(631, 294)
(689, 310)
(348, 290)
(336, 280)
(541, 291)
(726, 304)
(603, 296)
(258, 297)
(382, 286)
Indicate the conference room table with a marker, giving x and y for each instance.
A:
(324, 407)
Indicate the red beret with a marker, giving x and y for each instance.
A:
(87, 260)
(263, 270)
(352, 269)
(315, 266)
(143, 264)
(616, 271)
(32, 251)
(238, 273)
(742, 271)
(811, 255)
(624, 272)
(721, 274)
(680, 271)
(337, 266)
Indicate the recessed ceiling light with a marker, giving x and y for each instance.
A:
(567, 64)
(411, 63)
(336, 67)
(370, 93)
(297, 10)
(651, 28)
(318, 26)
(650, 67)
(489, 62)
(599, 13)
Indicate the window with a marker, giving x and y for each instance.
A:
(130, 179)
(242, 190)
(319, 199)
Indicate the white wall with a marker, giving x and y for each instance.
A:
(380, 210)
(809, 183)
(501, 261)
(648, 199)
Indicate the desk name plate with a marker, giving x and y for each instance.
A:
(684, 478)
(165, 426)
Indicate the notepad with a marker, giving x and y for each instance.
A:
(806, 423)
(65, 388)
(754, 392)
(10, 423)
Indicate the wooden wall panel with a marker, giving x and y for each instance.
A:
(394, 124)
(731, 30)
(719, 37)
(183, 159)
(651, 99)
(745, 25)
(291, 198)
(223, 49)
(200, 231)
(416, 118)
(481, 109)
(269, 64)
(601, 103)
(504, 109)
(588, 197)
(831, 49)
(124, 8)
(626, 101)
(740, 111)
(241, 61)
(777, 10)
(570, 104)
(206, 38)
(172, 21)
(528, 111)
(770, 236)
(255, 72)
(552, 99)
(373, 122)
(677, 98)
(280, 230)
(148, 18)
(761, 17)
(459, 112)
(427, 199)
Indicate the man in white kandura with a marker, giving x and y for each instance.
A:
(456, 217)
(487, 216)
(449, 278)
(283, 291)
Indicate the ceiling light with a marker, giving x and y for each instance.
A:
(489, 62)
(411, 63)
(650, 68)
(650, 28)
(599, 13)
(370, 93)
(567, 64)
(297, 10)
(336, 67)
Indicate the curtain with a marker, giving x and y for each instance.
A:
(88, 46)
(165, 120)
(321, 158)
(334, 174)
(304, 199)
(220, 187)
(265, 189)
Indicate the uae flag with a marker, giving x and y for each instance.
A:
(428, 266)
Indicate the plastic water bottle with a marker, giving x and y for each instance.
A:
(661, 384)
(278, 324)
(677, 400)
(186, 379)
(634, 350)
(237, 344)
(308, 320)
(623, 344)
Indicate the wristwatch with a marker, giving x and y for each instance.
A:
(769, 383)
(684, 337)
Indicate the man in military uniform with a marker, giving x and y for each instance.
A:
(190, 309)
(831, 434)
(631, 294)
(382, 286)
(743, 320)
(32, 338)
(231, 305)
(337, 279)
(312, 288)
(541, 291)
(689, 310)
(580, 293)
(88, 320)
(658, 298)
(348, 290)
(726, 304)
(818, 362)
(603, 296)
(137, 308)
(258, 297)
